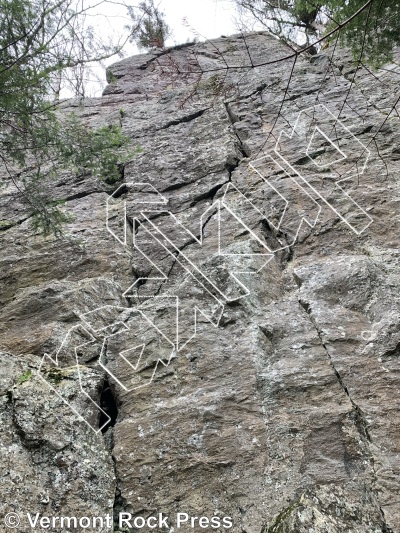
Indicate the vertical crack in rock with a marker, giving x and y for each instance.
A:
(360, 421)
(119, 503)
(108, 403)
(205, 423)
(233, 119)
(133, 224)
(230, 166)
(279, 240)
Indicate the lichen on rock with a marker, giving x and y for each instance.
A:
(278, 407)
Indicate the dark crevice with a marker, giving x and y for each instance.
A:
(188, 243)
(277, 240)
(154, 364)
(121, 174)
(122, 190)
(392, 353)
(141, 281)
(360, 421)
(244, 151)
(168, 274)
(120, 504)
(269, 334)
(80, 195)
(144, 66)
(206, 222)
(290, 254)
(306, 308)
(298, 280)
(233, 119)
(209, 194)
(7, 225)
(367, 129)
(130, 223)
(305, 93)
(175, 186)
(179, 185)
(108, 404)
(231, 166)
(385, 527)
(258, 90)
(136, 224)
(303, 160)
(187, 118)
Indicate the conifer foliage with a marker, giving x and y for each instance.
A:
(39, 39)
(150, 29)
(371, 28)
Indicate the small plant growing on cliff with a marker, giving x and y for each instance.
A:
(26, 376)
(279, 525)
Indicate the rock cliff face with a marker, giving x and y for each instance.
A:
(231, 307)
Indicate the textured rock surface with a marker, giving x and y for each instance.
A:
(285, 415)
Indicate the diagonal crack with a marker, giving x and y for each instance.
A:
(181, 120)
(176, 254)
(359, 413)
(360, 419)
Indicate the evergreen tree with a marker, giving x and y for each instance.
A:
(38, 40)
(371, 28)
(150, 28)
(373, 33)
